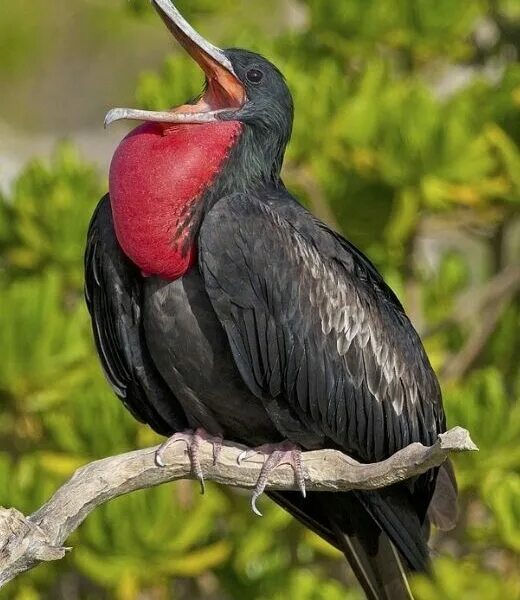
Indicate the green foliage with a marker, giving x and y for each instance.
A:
(424, 180)
(45, 219)
(455, 582)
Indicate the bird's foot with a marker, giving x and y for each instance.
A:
(284, 453)
(192, 439)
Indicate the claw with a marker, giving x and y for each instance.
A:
(254, 508)
(158, 459)
(177, 437)
(245, 454)
(192, 440)
(285, 453)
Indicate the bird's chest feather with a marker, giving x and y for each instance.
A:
(191, 351)
(158, 177)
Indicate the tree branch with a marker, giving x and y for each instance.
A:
(489, 305)
(27, 541)
(497, 291)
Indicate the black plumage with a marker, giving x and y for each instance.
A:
(282, 331)
(113, 293)
(340, 319)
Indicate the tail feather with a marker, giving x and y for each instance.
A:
(443, 511)
(381, 575)
(349, 522)
(392, 508)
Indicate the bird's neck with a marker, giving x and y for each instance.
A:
(255, 162)
(159, 177)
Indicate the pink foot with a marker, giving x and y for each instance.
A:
(284, 453)
(192, 440)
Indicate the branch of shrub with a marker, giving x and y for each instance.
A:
(25, 542)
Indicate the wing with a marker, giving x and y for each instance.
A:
(316, 332)
(312, 324)
(113, 296)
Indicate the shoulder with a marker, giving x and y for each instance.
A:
(265, 219)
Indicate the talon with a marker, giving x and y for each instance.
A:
(254, 508)
(177, 437)
(192, 440)
(285, 453)
(244, 455)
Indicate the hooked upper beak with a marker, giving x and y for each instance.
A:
(224, 91)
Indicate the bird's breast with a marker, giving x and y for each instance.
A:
(158, 176)
(191, 351)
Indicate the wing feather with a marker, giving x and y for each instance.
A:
(318, 335)
(311, 322)
(113, 296)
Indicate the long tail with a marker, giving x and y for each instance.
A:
(380, 574)
(378, 535)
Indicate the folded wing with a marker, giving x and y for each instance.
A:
(113, 291)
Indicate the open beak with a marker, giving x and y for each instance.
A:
(224, 91)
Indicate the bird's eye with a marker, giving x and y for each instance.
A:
(254, 75)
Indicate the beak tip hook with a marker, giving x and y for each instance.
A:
(111, 116)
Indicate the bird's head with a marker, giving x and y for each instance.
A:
(241, 88)
(168, 171)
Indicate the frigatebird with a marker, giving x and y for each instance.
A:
(222, 308)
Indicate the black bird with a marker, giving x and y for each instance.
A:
(220, 304)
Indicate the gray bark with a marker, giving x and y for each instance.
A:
(27, 541)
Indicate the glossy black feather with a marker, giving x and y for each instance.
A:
(351, 370)
(343, 521)
(285, 331)
(340, 320)
(113, 292)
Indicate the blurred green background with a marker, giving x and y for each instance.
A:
(407, 139)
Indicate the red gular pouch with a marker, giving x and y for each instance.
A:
(158, 174)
